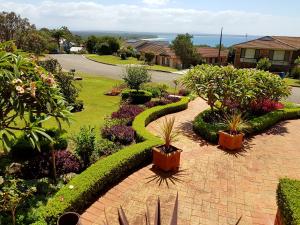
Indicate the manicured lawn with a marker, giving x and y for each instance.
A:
(96, 105)
(293, 82)
(115, 60)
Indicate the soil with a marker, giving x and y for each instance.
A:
(166, 150)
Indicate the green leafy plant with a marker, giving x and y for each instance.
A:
(85, 143)
(135, 76)
(235, 123)
(149, 56)
(12, 194)
(168, 133)
(263, 64)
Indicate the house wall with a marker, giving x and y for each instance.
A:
(263, 53)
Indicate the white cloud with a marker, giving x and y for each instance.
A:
(155, 2)
(82, 15)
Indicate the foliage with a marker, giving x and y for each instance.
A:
(51, 65)
(296, 72)
(297, 61)
(28, 94)
(35, 43)
(127, 112)
(105, 45)
(66, 162)
(135, 76)
(184, 92)
(288, 195)
(119, 133)
(157, 103)
(168, 133)
(235, 123)
(264, 106)
(263, 64)
(136, 97)
(85, 142)
(209, 130)
(108, 170)
(157, 90)
(149, 56)
(184, 48)
(234, 89)
(12, 194)
(104, 147)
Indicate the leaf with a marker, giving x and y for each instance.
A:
(157, 219)
(175, 212)
(122, 217)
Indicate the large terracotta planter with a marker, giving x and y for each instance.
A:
(231, 142)
(278, 219)
(166, 161)
(69, 218)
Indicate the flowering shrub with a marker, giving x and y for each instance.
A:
(265, 106)
(119, 133)
(128, 112)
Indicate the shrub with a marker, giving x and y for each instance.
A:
(107, 171)
(288, 195)
(136, 97)
(77, 106)
(119, 133)
(104, 147)
(149, 56)
(128, 112)
(263, 64)
(138, 56)
(234, 89)
(85, 142)
(37, 167)
(135, 76)
(157, 103)
(265, 106)
(66, 162)
(157, 91)
(51, 65)
(172, 98)
(209, 130)
(296, 72)
(123, 55)
(184, 92)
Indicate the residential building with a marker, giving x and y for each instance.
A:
(281, 50)
(211, 55)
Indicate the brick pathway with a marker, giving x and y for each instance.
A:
(214, 186)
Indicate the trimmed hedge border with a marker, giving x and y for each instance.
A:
(210, 131)
(107, 171)
(288, 201)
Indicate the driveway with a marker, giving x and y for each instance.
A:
(80, 63)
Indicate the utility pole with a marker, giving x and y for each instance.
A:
(220, 46)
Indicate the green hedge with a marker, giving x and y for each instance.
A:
(108, 171)
(288, 201)
(256, 125)
(137, 97)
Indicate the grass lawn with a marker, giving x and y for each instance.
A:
(292, 82)
(115, 60)
(96, 105)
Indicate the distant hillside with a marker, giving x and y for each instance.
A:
(124, 35)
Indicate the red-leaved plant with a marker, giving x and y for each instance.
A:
(265, 106)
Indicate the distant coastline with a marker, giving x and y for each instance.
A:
(199, 39)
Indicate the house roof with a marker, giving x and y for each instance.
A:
(272, 42)
(207, 52)
(158, 48)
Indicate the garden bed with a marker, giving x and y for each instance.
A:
(209, 131)
(288, 201)
(84, 188)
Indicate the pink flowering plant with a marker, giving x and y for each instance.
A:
(28, 96)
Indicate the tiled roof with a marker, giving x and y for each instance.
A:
(272, 42)
(207, 52)
(157, 49)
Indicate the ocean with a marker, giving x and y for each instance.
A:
(208, 39)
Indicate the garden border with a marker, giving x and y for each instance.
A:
(85, 187)
(288, 194)
(257, 125)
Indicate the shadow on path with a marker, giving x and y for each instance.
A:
(160, 177)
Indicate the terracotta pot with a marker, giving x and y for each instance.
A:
(69, 218)
(231, 142)
(278, 219)
(166, 161)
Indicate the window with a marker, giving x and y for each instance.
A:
(249, 53)
(278, 55)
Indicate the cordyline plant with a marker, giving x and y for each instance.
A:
(28, 96)
(157, 218)
(235, 123)
(168, 133)
(229, 89)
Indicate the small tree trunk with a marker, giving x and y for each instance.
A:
(13, 215)
(53, 161)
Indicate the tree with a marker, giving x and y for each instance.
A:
(91, 44)
(135, 76)
(35, 43)
(149, 56)
(13, 27)
(263, 64)
(184, 48)
(58, 34)
(29, 95)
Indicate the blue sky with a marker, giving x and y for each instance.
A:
(261, 17)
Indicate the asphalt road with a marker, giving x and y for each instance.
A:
(80, 63)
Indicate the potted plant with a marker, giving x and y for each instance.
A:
(167, 157)
(232, 138)
(69, 218)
